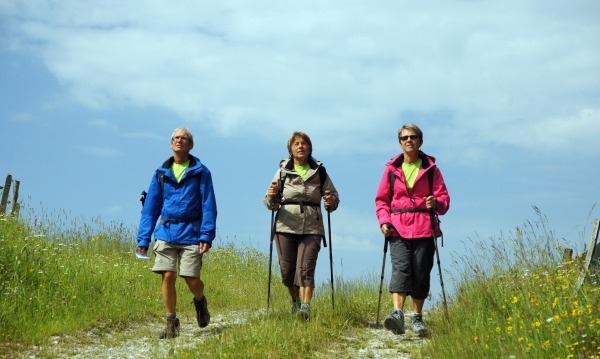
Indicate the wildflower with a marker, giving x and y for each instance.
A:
(515, 300)
(549, 320)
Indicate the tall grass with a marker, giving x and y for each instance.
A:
(58, 281)
(515, 297)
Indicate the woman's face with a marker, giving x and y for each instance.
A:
(300, 150)
(410, 142)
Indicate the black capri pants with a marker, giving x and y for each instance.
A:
(412, 262)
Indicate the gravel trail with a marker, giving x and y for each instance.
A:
(141, 341)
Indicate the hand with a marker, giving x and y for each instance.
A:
(386, 229)
(329, 200)
(430, 202)
(203, 247)
(143, 250)
(273, 190)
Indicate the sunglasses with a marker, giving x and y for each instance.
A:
(412, 137)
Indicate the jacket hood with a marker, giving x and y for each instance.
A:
(396, 161)
(288, 163)
(194, 167)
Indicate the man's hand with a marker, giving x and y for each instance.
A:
(203, 247)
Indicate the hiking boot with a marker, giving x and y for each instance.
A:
(295, 306)
(305, 311)
(418, 327)
(202, 314)
(395, 322)
(172, 329)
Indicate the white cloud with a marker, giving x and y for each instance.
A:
(103, 124)
(98, 151)
(113, 209)
(351, 70)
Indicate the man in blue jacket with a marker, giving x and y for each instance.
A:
(181, 206)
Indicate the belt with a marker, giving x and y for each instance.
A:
(179, 220)
(302, 203)
(409, 210)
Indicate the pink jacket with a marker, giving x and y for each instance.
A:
(406, 211)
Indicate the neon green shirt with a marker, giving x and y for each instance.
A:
(179, 169)
(302, 170)
(411, 170)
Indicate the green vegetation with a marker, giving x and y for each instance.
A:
(514, 299)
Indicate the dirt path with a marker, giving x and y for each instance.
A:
(141, 342)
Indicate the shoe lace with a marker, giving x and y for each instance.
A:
(417, 322)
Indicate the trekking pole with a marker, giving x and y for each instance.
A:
(330, 252)
(437, 254)
(271, 256)
(385, 247)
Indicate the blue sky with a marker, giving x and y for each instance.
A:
(506, 92)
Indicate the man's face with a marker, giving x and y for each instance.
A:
(181, 142)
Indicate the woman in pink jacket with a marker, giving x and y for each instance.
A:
(410, 195)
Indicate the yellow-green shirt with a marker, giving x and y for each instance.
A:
(179, 169)
(302, 170)
(411, 170)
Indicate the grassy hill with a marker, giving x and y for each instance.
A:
(515, 296)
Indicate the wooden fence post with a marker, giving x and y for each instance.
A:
(5, 195)
(14, 208)
(589, 256)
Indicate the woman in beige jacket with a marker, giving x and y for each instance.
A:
(295, 192)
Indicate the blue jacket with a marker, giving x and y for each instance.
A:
(187, 210)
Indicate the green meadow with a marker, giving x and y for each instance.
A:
(514, 296)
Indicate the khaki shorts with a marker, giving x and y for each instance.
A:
(168, 256)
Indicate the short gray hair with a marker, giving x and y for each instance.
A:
(189, 134)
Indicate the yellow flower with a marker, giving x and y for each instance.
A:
(515, 300)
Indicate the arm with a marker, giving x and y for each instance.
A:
(383, 202)
(150, 213)
(209, 211)
(270, 199)
(441, 203)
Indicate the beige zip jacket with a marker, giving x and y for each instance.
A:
(299, 208)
